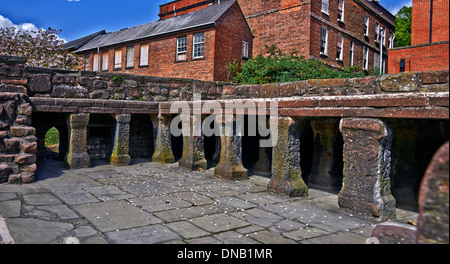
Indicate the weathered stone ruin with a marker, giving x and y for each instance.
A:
(372, 138)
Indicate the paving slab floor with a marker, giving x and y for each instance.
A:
(149, 203)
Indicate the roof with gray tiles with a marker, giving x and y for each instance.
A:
(201, 18)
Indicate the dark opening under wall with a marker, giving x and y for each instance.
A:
(413, 146)
(211, 144)
(141, 137)
(177, 143)
(99, 136)
(306, 148)
(250, 143)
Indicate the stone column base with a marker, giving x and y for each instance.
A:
(163, 142)
(286, 171)
(77, 156)
(230, 164)
(366, 184)
(120, 156)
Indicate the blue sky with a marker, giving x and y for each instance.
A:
(77, 18)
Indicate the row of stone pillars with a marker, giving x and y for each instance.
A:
(77, 156)
(366, 156)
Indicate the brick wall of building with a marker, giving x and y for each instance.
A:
(422, 18)
(425, 54)
(162, 57)
(440, 20)
(284, 23)
(229, 41)
(428, 57)
(296, 24)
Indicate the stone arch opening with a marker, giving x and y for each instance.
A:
(56, 124)
(51, 143)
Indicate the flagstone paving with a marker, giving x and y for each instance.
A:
(158, 203)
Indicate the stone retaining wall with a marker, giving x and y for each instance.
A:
(40, 82)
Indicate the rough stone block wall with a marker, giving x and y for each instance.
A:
(18, 144)
(98, 147)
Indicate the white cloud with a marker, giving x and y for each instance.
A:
(5, 22)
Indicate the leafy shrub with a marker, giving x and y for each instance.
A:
(278, 67)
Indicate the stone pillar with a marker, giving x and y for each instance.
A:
(120, 153)
(162, 138)
(193, 157)
(77, 156)
(230, 164)
(366, 186)
(286, 171)
(433, 225)
(325, 171)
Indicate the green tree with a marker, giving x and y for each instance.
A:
(403, 27)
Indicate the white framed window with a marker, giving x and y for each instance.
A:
(352, 53)
(143, 56)
(383, 32)
(366, 25)
(96, 62)
(341, 6)
(182, 48)
(105, 60)
(390, 40)
(118, 59)
(376, 60)
(130, 57)
(325, 5)
(198, 45)
(377, 31)
(339, 47)
(244, 49)
(87, 62)
(323, 41)
(365, 58)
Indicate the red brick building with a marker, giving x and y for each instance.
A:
(193, 39)
(429, 50)
(341, 32)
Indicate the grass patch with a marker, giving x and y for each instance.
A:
(52, 137)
